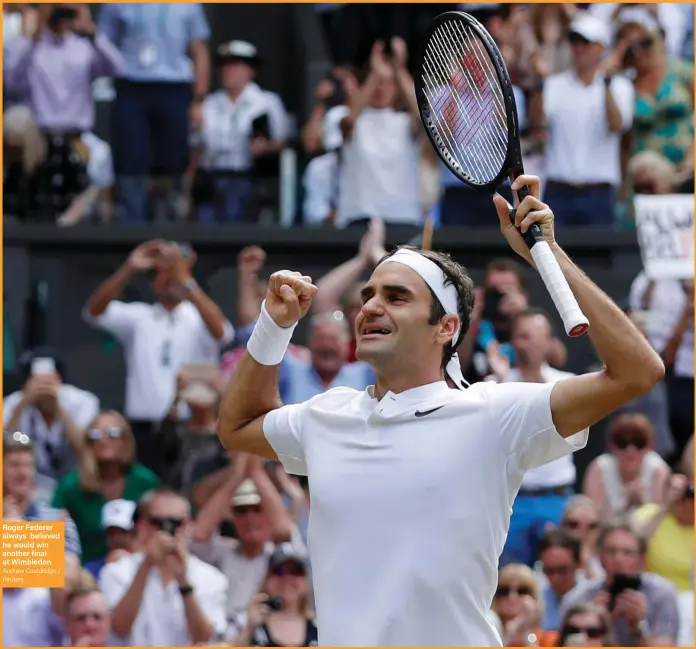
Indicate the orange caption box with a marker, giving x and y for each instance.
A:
(33, 554)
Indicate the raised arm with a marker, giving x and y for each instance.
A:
(253, 390)
(631, 366)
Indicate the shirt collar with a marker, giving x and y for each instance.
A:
(418, 393)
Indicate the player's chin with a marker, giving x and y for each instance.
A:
(367, 345)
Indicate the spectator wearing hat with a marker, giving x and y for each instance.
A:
(586, 110)
(51, 412)
(19, 487)
(261, 522)
(241, 125)
(117, 522)
(167, 76)
(280, 614)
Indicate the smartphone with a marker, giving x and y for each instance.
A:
(43, 366)
(622, 583)
(491, 304)
(274, 603)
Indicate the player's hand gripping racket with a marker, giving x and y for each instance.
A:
(468, 109)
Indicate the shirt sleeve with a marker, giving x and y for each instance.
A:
(113, 584)
(283, 430)
(521, 413)
(200, 30)
(119, 318)
(277, 117)
(624, 96)
(9, 405)
(72, 538)
(213, 602)
(663, 612)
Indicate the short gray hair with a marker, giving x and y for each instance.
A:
(332, 317)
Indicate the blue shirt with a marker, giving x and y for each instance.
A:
(299, 382)
(552, 607)
(39, 512)
(154, 38)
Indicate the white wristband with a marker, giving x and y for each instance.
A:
(269, 342)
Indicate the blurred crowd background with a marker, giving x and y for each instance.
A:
(169, 118)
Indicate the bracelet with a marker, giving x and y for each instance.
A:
(268, 341)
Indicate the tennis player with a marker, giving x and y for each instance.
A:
(412, 482)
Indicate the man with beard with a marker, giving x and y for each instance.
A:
(184, 326)
(329, 346)
(545, 489)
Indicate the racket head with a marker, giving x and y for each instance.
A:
(477, 137)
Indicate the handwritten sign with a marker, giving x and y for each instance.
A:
(666, 235)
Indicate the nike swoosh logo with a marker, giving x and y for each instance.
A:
(425, 413)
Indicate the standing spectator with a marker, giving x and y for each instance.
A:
(290, 623)
(545, 490)
(586, 111)
(241, 125)
(559, 556)
(631, 473)
(163, 596)
(644, 617)
(117, 523)
(53, 414)
(108, 471)
(184, 326)
(380, 174)
(668, 527)
(166, 77)
(87, 618)
(18, 487)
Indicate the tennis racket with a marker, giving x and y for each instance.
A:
(468, 108)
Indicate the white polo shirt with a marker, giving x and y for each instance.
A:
(157, 343)
(411, 503)
(560, 472)
(580, 148)
(161, 621)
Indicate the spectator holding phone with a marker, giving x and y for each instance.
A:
(280, 615)
(668, 527)
(643, 606)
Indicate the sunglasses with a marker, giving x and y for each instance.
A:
(644, 188)
(593, 632)
(576, 39)
(84, 617)
(623, 443)
(247, 509)
(573, 524)
(291, 569)
(557, 570)
(643, 43)
(96, 434)
(164, 524)
(506, 591)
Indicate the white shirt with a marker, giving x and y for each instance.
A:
(380, 170)
(161, 621)
(580, 148)
(227, 126)
(560, 472)
(157, 343)
(409, 514)
(82, 406)
(28, 619)
(666, 304)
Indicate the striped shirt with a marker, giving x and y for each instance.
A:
(39, 512)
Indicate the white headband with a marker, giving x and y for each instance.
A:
(436, 280)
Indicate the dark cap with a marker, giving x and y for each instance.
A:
(285, 553)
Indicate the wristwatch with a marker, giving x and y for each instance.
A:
(607, 80)
(185, 590)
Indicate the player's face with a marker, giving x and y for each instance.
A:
(531, 339)
(394, 316)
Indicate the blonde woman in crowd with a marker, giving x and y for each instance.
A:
(107, 471)
(631, 473)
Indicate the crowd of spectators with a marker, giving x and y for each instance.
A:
(604, 94)
(173, 541)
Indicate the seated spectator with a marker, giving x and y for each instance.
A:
(668, 527)
(162, 595)
(87, 618)
(19, 485)
(519, 605)
(559, 558)
(76, 578)
(53, 68)
(664, 102)
(645, 617)
(117, 522)
(581, 520)
(631, 473)
(280, 615)
(380, 174)
(586, 625)
(242, 127)
(260, 521)
(108, 471)
(52, 413)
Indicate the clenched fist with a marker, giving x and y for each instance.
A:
(289, 297)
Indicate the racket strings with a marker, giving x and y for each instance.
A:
(467, 109)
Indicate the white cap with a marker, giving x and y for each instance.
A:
(246, 495)
(591, 28)
(118, 513)
(238, 50)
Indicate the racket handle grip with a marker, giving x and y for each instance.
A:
(574, 320)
